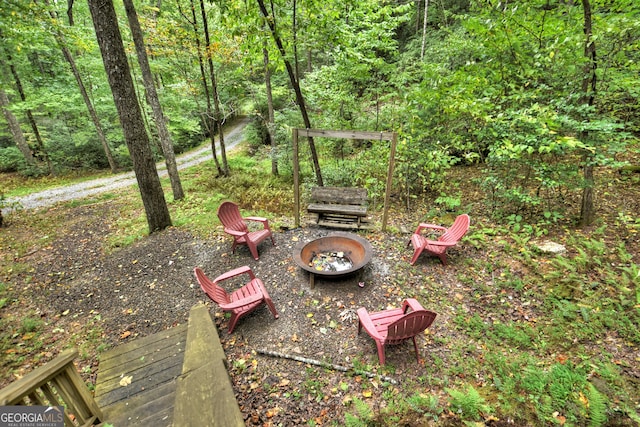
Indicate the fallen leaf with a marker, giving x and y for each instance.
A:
(125, 381)
(367, 393)
(125, 334)
(583, 399)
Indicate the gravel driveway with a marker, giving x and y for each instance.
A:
(84, 189)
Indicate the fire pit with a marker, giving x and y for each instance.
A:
(333, 256)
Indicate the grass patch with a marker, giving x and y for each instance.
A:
(16, 185)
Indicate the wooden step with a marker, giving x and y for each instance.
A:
(205, 395)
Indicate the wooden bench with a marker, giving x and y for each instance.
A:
(339, 207)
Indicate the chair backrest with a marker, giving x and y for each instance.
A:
(229, 216)
(213, 291)
(457, 230)
(410, 325)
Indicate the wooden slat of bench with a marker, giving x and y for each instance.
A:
(353, 210)
(339, 195)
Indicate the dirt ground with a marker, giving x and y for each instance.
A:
(78, 291)
(149, 286)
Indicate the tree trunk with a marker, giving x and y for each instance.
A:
(16, 131)
(70, 12)
(214, 87)
(208, 120)
(294, 30)
(113, 165)
(424, 28)
(114, 57)
(587, 211)
(83, 91)
(296, 87)
(41, 153)
(152, 99)
(271, 119)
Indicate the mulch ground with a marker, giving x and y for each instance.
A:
(77, 290)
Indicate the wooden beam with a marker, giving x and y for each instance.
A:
(204, 394)
(15, 391)
(346, 134)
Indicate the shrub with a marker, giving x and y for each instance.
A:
(11, 160)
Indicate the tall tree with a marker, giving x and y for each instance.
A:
(271, 20)
(41, 152)
(271, 116)
(152, 99)
(16, 130)
(587, 211)
(214, 86)
(424, 28)
(208, 116)
(115, 62)
(60, 39)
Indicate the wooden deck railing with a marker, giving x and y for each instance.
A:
(57, 383)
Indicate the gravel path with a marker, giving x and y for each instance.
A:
(84, 189)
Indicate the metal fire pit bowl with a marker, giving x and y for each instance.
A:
(354, 247)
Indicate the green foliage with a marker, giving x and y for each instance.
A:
(469, 404)
(256, 135)
(363, 414)
(11, 160)
(597, 407)
(449, 202)
(30, 324)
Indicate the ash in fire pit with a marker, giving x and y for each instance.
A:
(331, 261)
(333, 256)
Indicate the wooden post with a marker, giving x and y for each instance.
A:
(296, 179)
(387, 193)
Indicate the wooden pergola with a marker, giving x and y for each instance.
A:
(345, 134)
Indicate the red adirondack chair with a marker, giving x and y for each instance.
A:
(395, 325)
(235, 225)
(240, 302)
(450, 237)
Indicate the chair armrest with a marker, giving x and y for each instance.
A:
(233, 273)
(242, 302)
(440, 243)
(234, 232)
(257, 219)
(424, 226)
(367, 324)
(411, 303)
